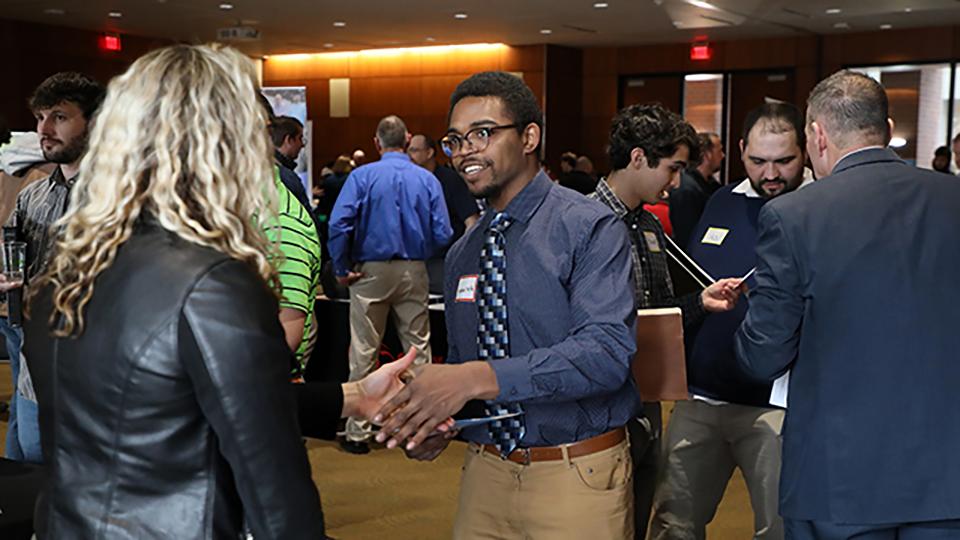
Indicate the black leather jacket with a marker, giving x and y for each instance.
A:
(171, 415)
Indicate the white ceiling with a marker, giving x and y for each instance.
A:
(288, 26)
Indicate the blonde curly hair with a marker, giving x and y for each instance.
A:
(182, 138)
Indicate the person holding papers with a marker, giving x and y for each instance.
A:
(537, 322)
(649, 147)
(855, 296)
(729, 423)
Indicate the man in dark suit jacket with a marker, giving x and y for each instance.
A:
(856, 296)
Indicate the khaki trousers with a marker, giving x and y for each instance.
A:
(589, 497)
(397, 288)
(704, 443)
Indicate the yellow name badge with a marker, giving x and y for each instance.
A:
(715, 236)
(653, 245)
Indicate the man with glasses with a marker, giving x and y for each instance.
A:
(461, 206)
(540, 327)
(389, 218)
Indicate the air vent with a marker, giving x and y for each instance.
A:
(580, 29)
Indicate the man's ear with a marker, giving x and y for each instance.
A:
(531, 138)
(819, 137)
(743, 147)
(638, 158)
(376, 144)
(890, 126)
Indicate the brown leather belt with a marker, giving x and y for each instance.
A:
(526, 456)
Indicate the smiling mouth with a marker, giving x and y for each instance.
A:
(472, 169)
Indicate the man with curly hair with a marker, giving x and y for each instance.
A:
(649, 148)
(63, 105)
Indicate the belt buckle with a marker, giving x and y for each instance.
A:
(524, 454)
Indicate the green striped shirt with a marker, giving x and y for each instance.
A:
(300, 268)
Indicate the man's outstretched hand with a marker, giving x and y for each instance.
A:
(435, 394)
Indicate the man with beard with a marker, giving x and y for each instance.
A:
(649, 148)
(63, 106)
(728, 422)
(538, 325)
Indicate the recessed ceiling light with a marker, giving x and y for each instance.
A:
(115, 14)
(339, 24)
(431, 39)
(54, 11)
(677, 24)
(702, 4)
(546, 31)
(460, 16)
(886, 26)
(841, 25)
(601, 5)
(226, 6)
(833, 11)
(328, 45)
(907, 10)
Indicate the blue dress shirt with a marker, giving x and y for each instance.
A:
(390, 209)
(570, 314)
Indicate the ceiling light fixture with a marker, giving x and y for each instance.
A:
(54, 11)
(430, 39)
(226, 6)
(600, 5)
(841, 25)
(886, 26)
(677, 24)
(702, 4)
(115, 14)
(833, 11)
(907, 10)
(460, 16)
(328, 45)
(546, 31)
(339, 24)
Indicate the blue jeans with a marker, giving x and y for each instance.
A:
(23, 429)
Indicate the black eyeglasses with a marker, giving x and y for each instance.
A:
(477, 138)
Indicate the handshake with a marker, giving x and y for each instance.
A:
(415, 405)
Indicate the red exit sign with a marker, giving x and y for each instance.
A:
(110, 42)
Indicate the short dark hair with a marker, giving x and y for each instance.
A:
(267, 108)
(777, 117)
(70, 86)
(705, 138)
(518, 100)
(282, 127)
(941, 151)
(850, 104)
(652, 128)
(569, 158)
(427, 140)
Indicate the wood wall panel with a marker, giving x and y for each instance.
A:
(599, 95)
(33, 52)
(889, 47)
(414, 85)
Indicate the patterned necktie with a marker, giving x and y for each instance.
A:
(493, 338)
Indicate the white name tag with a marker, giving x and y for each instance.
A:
(467, 289)
(653, 245)
(715, 236)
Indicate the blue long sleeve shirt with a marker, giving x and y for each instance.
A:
(389, 209)
(570, 308)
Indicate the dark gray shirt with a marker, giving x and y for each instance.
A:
(570, 314)
(38, 207)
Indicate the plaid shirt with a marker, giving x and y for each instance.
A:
(651, 275)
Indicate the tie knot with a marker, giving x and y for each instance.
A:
(500, 222)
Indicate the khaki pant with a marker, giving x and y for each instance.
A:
(589, 497)
(704, 443)
(389, 287)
